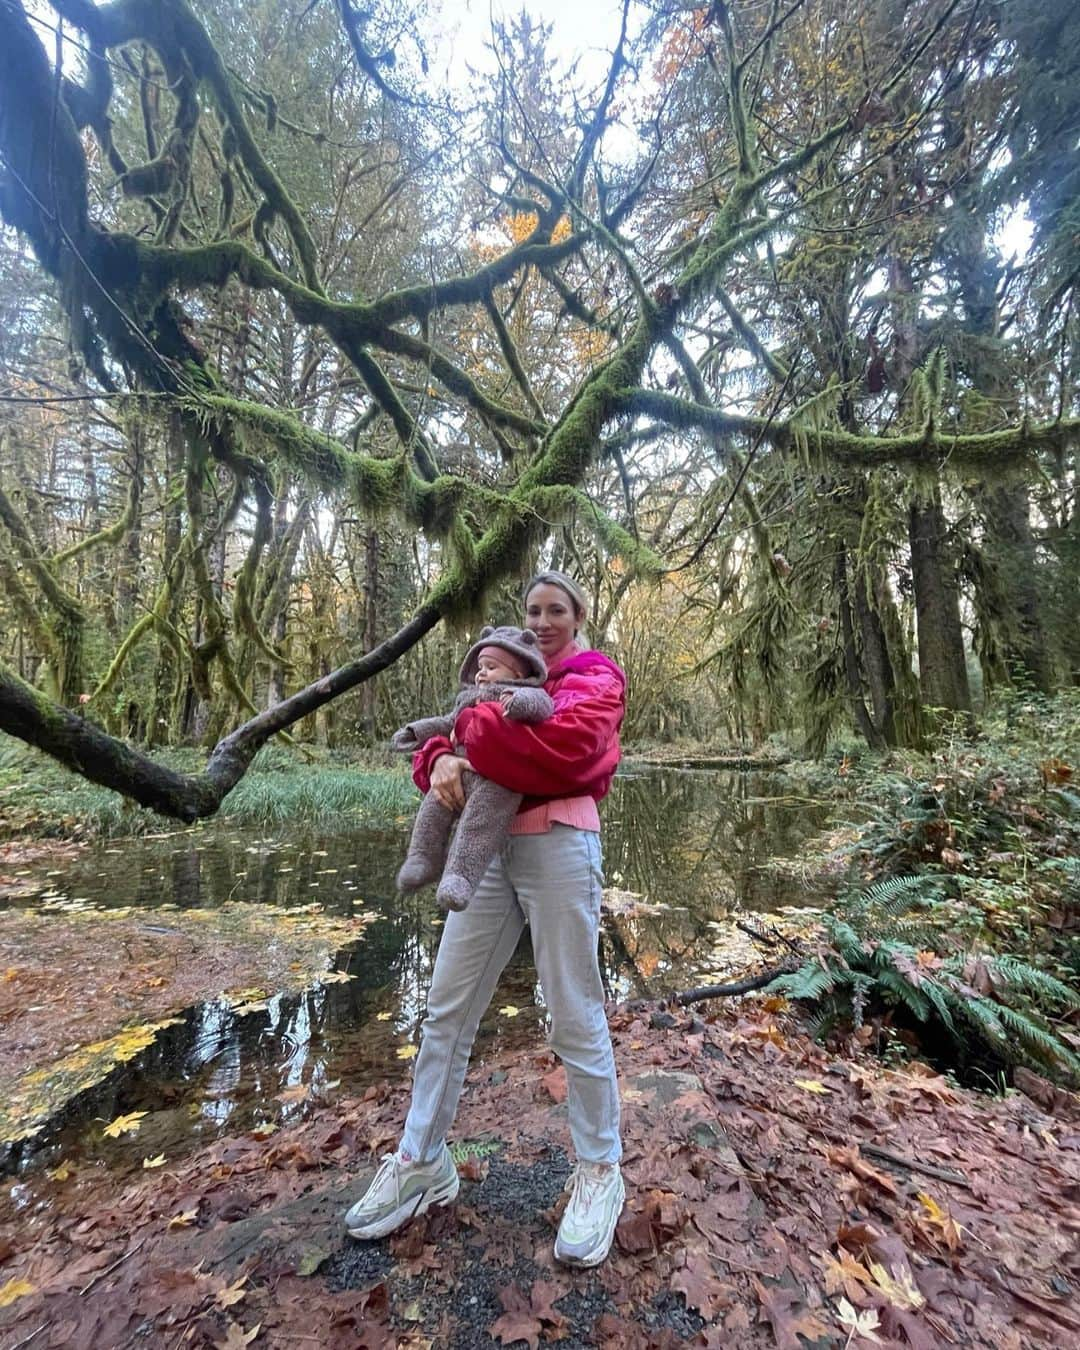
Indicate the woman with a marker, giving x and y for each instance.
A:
(547, 876)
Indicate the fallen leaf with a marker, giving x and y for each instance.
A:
(15, 1289)
(812, 1085)
(157, 1161)
(123, 1125)
(406, 1052)
(237, 1337)
(232, 1294)
(554, 1083)
(900, 1292)
(184, 1219)
(336, 977)
(311, 1261)
(60, 1173)
(300, 1092)
(862, 1324)
(383, 1017)
(509, 1011)
(940, 1220)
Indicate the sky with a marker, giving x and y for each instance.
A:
(587, 29)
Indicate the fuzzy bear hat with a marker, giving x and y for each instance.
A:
(522, 645)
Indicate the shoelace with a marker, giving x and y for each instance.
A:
(587, 1187)
(390, 1163)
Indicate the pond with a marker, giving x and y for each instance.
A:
(696, 844)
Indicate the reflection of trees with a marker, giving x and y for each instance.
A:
(695, 841)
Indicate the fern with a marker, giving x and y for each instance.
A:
(1019, 975)
(1039, 1040)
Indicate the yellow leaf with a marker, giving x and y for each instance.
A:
(812, 1085)
(15, 1289)
(509, 1011)
(383, 1017)
(158, 1161)
(60, 1173)
(184, 1219)
(264, 1129)
(124, 1125)
(233, 1294)
(900, 1293)
(238, 1337)
(336, 977)
(936, 1213)
(406, 1052)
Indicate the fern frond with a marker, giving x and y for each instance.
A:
(905, 992)
(808, 982)
(1019, 975)
(1039, 1040)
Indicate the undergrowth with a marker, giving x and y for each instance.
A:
(41, 799)
(955, 931)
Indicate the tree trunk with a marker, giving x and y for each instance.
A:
(371, 613)
(943, 676)
(164, 711)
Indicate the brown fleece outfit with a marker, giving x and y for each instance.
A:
(489, 809)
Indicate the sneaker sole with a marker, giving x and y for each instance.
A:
(411, 1209)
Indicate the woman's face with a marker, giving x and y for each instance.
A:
(549, 612)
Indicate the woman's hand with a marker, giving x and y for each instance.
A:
(447, 781)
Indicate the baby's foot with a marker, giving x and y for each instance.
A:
(454, 892)
(416, 872)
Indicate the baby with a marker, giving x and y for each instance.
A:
(505, 665)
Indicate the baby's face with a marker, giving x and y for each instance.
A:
(489, 670)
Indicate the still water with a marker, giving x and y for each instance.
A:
(697, 844)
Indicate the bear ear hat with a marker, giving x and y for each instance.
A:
(528, 638)
(486, 631)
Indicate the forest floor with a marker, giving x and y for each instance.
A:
(776, 1195)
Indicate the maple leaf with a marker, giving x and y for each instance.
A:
(233, 1293)
(554, 1083)
(336, 977)
(518, 1322)
(237, 1337)
(383, 1017)
(900, 1291)
(844, 1272)
(812, 1085)
(406, 1052)
(15, 1289)
(941, 1220)
(123, 1125)
(184, 1219)
(157, 1161)
(509, 1011)
(862, 1324)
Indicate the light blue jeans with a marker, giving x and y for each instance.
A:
(551, 882)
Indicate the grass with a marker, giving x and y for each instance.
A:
(41, 799)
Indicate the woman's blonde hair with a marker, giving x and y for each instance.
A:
(564, 583)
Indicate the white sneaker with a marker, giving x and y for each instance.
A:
(399, 1191)
(588, 1226)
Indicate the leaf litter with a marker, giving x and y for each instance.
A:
(73, 1007)
(757, 1215)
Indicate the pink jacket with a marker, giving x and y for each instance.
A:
(574, 753)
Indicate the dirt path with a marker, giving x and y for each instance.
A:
(758, 1215)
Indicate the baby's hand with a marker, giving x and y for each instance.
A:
(506, 698)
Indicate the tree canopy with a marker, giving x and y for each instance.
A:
(304, 352)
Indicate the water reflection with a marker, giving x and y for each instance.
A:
(694, 841)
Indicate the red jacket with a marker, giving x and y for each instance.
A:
(573, 754)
